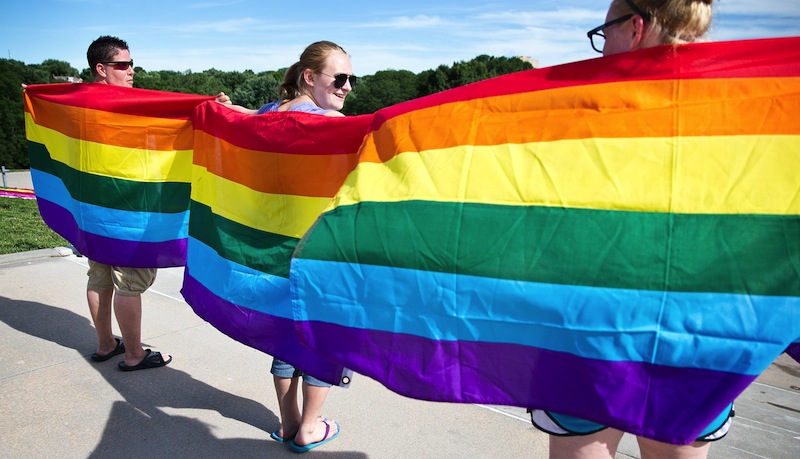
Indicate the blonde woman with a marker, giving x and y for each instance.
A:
(318, 83)
(632, 25)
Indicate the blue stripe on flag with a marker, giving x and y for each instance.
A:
(113, 223)
(236, 283)
(696, 329)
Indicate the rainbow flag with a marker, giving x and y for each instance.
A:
(258, 183)
(111, 168)
(23, 193)
(616, 239)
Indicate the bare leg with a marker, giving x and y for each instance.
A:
(600, 445)
(128, 310)
(100, 309)
(656, 449)
(312, 428)
(286, 389)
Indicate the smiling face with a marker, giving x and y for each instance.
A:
(110, 75)
(321, 85)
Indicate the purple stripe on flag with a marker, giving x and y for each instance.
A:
(664, 403)
(117, 252)
(794, 351)
(270, 334)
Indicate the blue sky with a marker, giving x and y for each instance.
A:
(411, 35)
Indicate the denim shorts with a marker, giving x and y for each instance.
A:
(282, 369)
(566, 426)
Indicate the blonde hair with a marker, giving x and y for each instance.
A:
(313, 57)
(673, 21)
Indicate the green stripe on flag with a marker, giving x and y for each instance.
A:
(266, 252)
(113, 193)
(616, 249)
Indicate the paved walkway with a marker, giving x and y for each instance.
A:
(216, 399)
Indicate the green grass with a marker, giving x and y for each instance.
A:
(23, 229)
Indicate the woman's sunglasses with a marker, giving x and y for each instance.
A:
(120, 65)
(340, 79)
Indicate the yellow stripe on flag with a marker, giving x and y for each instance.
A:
(703, 175)
(112, 161)
(282, 214)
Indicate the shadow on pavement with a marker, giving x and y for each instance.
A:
(142, 426)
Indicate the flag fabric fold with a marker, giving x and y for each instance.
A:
(258, 183)
(616, 239)
(111, 167)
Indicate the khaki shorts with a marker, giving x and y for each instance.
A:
(125, 281)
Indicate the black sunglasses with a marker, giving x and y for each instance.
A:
(340, 79)
(120, 65)
(598, 31)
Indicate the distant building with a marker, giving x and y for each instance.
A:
(68, 79)
(533, 62)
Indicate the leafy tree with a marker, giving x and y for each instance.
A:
(58, 68)
(13, 146)
(433, 81)
(385, 88)
(229, 81)
(161, 80)
(257, 91)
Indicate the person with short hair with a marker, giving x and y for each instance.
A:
(110, 62)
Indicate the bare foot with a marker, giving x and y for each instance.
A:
(324, 429)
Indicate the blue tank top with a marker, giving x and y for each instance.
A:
(307, 107)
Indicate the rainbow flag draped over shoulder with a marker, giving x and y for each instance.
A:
(258, 183)
(616, 239)
(111, 168)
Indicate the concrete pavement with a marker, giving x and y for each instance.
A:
(216, 398)
(17, 179)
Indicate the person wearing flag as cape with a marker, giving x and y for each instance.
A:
(631, 25)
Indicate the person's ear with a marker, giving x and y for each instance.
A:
(101, 70)
(637, 26)
(308, 76)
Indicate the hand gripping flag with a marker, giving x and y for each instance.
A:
(258, 183)
(616, 239)
(111, 169)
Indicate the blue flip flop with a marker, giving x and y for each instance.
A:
(302, 449)
(276, 436)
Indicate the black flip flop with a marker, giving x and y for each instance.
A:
(151, 360)
(120, 349)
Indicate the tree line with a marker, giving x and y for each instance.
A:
(246, 88)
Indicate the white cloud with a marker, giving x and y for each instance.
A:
(219, 4)
(545, 19)
(404, 22)
(780, 8)
(226, 26)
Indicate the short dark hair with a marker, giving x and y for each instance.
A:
(103, 50)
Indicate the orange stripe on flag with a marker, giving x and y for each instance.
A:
(630, 109)
(276, 173)
(131, 131)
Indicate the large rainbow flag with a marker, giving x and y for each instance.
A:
(616, 239)
(258, 183)
(111, 167)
